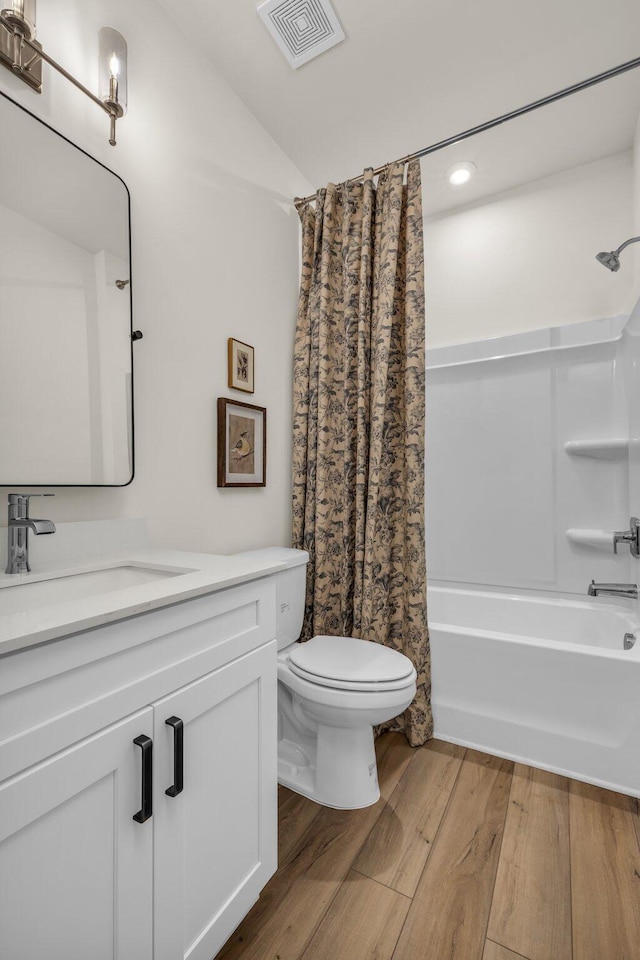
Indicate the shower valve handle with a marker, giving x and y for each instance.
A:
(631, 536)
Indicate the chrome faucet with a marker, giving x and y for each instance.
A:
(18, 527)
(613, 590)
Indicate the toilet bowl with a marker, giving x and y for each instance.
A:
(332, 691)
(325, 736)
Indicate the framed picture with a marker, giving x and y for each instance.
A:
(240, 366)
(242, 444)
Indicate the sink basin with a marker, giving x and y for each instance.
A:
(26, 594)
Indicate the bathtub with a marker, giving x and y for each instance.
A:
(541, 680)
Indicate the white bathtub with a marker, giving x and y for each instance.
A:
(539, 680)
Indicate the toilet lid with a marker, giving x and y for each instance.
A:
(349, 663)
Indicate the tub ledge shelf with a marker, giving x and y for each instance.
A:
(616, 448)
(595, 539)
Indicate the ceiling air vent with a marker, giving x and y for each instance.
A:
(301, 28)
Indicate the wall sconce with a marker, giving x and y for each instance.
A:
(21, 53)
(112, 75)
(18, 25)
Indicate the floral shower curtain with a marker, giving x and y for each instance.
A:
(358, 435)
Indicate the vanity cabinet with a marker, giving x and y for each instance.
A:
(214, 848)
(75, 868)
(79, 876)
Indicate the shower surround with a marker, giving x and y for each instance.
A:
(532, 449)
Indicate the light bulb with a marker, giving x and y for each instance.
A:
(21, 14)
(460, 173)
(112, 73)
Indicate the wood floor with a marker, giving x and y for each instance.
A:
(464, 857)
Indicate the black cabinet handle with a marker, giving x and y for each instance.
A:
(178, 756)
(146, 745)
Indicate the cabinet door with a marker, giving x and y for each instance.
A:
(75, 869)
(215, 843)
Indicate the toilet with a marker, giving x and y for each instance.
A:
(332, 691)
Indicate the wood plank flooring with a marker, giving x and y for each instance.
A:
(464, 857)
(607, 872)
(531, 907)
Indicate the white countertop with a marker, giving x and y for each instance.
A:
(206, 573)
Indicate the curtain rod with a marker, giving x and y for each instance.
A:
(489, 124)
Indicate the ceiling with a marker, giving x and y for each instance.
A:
(412, 72)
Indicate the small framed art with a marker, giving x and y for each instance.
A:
(242, 444)
(240, 371)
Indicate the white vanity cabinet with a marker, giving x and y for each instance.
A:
(75, 868)
(214, 841)
(79, 876)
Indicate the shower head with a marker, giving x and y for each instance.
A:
(611, 259)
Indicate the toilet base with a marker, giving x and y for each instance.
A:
(337, 767)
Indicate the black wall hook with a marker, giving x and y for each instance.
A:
(136, 335)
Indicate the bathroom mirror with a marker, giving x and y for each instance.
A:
(66, 391)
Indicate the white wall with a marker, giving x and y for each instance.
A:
(524, 259)
(514, 278)
(502, 490)
(215, 254)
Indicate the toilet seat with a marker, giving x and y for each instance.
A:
(347, 663)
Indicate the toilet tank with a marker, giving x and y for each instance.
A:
(290, 589)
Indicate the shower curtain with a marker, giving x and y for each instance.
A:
(358, 434)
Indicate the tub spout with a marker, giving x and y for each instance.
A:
(613, 590)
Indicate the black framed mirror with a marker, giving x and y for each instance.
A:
(66, 360)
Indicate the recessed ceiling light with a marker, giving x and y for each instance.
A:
(460, 173)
